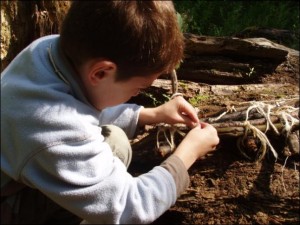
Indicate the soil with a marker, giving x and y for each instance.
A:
(225, 187)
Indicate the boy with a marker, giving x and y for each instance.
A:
(64, 149)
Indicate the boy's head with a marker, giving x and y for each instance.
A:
(141, 38)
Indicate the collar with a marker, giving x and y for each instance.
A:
(64, 70)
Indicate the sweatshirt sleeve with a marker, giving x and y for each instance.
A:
(124, 116)
(85, 178)
(178, 171)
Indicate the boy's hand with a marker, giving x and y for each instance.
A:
(197, 143)
(177, 110)
(200, 140)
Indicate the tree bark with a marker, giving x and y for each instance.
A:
(24, 21)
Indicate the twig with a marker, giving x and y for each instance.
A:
(282, 169)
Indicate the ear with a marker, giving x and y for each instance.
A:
(100, 70)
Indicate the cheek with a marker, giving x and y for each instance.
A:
(135, 93)
(132, 92)
(125, 95)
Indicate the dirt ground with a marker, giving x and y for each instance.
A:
(225, 187)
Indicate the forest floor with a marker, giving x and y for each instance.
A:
(226, 188)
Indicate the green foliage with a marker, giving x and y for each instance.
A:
(183, 85)
(195, 100)
(155, 101)
(226, 18)
(251, 72)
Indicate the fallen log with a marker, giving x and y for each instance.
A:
(237, 129)
(164, 86)
(254, 47)
(240, 111)
(251, 132)
(232, 60)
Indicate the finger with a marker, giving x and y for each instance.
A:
(188, 111)
(190, 123)
(214, 148)
(203, 124)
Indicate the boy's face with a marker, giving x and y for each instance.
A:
(110, 92)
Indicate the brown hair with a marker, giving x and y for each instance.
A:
(140, 37)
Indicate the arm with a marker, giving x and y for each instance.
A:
(124, 116)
